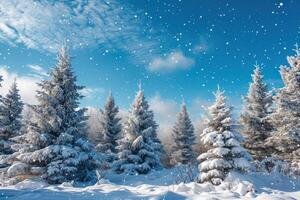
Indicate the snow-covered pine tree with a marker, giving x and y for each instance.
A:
(285, 139)
(147, 124)
(10, 113)
(184, 139)
(139, 148)
(110, 129)
(55, 146)
(224, 150)
(255, 117)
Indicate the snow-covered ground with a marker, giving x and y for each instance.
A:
(159, 185)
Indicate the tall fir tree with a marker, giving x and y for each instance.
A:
(184, 139)
(224, 150)
(286, 119)
(139, 148)
(55, 145)
(11, 110)
(255, 117)
(110, 129)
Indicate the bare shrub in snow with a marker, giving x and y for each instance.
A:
(273, 165)
(185, 173)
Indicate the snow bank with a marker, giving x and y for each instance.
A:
(160, 185)
(17, 169)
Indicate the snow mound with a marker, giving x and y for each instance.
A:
(237, 183)
(160, 185)
(17, 169)
(34, 183)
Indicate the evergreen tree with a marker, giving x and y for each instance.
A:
(255, 116)
(55, 146)
(184, 139)
(10, 113)
(139, 148)
(224, 150)
(110, 129)
(286, 119)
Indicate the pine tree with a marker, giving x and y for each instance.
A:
(110, 129)
(146, 121)
(3, 138)
(255, 117)
(54, 146)
(286, 119)
(224, 150)
(10, 113)
(139, 148)
(184, 139)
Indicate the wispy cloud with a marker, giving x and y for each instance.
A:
(37, 71)
(170, 62)
(92, 93)
(44, 25)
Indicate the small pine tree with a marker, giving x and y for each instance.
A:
(110, 129)
(55, 145)
(224, 150)
(184, 139)
(139, 149)
(285, 139)
(255, 117)
(146, 122)
(11, 110)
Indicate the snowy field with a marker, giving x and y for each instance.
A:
(160, 185)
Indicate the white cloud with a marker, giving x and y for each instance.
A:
(92, 93)
(26, 84)
(38, 70)
(170, 62)
(44, 25)
(164, 109)
(165, 112)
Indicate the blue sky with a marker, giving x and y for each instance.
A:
(178, 49)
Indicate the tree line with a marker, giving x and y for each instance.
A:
(53, 143)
